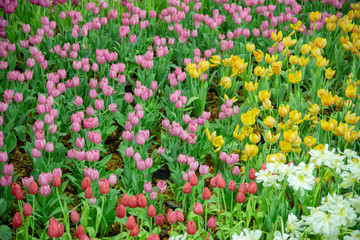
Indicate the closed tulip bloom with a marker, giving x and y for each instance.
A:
(135, 231)
(80, 231)
(151, 211)
(232, 185)
(159, 220)
(130, 223)
(198, 208)
(212, 223)
(252, 174)
(125, 200)
(74, 216)
(213, 182)
(191, 228)
(88, 193)
(17, 220)
(252, 188)
(86, 183)
(220, 182)
(187, 188)
(8, 169)
(121, 211)
(206, 193)
(55, 230)
(17, 191)
(243, 188)
(133, 202)
(193, 180)
(105, 187)
(33, 188)
(240, 198)
(56, 182)
(27, 210)
(171, 217)
(179, 216)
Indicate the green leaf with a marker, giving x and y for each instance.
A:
(10, 143)
(5, 232)
(21, 132)
(3, 206)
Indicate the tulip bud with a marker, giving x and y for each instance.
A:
(74, 216)
(56, 182)
(252, 188)
(80, 231)
(17, 221)
(151, 211)
(27, 210)
(86, 183)
(120, 211)
(213, 182)
(88, 193)
(252, 174)
(191, 228)
(133, 202)
(232, 185)
(179, 216)
(212, 223)
(187, 188)
(206, 193)
(33, 188)
(125, 200)
(198, 208)
(171, 217)
(220, 182)
(105, 187)
(240, 198)
(193, 180)
(130, 223)
(159, 220)
(243, 188)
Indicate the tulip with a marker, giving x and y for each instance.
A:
(105, 187)
(130, 223)
(179, 216)
(252, 174)
(187, 188)
(121, 211)
(232, 185)
(220, 182)
(212, 223)
(86, 183)
(80, 231)
(125, 200)
(27, 210)
(252, 188)
(56, 182)
(55, 230)
(171, 217)
(151, 211)
(74, 216)
(193, 180)
(198, 208)
(191, 228)
(159, 220)
(17, 220)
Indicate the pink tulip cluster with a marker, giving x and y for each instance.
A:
(176, 130)
(146, 61)
(229, 159)
(144, 92)
(5, 47)
(142, 164)
(227, 109)
(178, 75)
(9, 6)
(38, 56)
(9, 94)
(3, 25)
(134, 117)
(178, 99)
(212, 22)
(7, 170)
(171, 14)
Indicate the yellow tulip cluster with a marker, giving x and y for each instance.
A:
(195, 70)
(217, 141)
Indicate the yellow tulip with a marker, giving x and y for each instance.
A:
(216, 60)
(269, 121)
(305, 49)
(283, 110)
(321, 61)
(293, 59)
(269, 137)
(237, 135)
(226, 82)
(248, 118)
(270, 58)
(320, 42)
(315, 16)
(203, 66)
(251, 150)
(267, 104)
(250, 47)
(259, 55)
(295, 116)
(309, 141)
(351, 118)
(288, 42)
(254, 138)
(290, 136)
(259, 71)
(250, 87)
(303, 61)
(285, 146)
(350, 91)
(276, 67)
(264, 94)
(329, 73)
(276, 37)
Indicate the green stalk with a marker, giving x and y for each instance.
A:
(65, 218)
(102, 210)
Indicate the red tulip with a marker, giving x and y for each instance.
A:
(187, 188)
(193, 180)
(135, 231)
(33, 188)
(17, 191)
(56, 181)
(133, 202)
(240, 198)
(105, 186)
(213, 182)
(232, 185)
(243, 188)
(153, 236)
(263, 167)
(211, 223)
(159, 220)
(151, 211)
(27, 210)
(206, 193)
(198, 208)
(125, 200)
(88, 193)
(191, 228)
(86, 183)
(252, 188)
(130, 223)
(179, 216)
(17, 221)
(171, 217)
(220, 182)
(252, 174)
(141, 201)
(55, 230)
(74, 216)
(80, 231)
(120, 211)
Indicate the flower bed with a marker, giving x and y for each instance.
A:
(179, 119)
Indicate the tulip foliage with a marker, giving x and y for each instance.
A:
(175, 119)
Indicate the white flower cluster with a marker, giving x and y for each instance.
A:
(347, 165)
(179, 237)
(300, 177)
(247, 234)
(335, 212)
